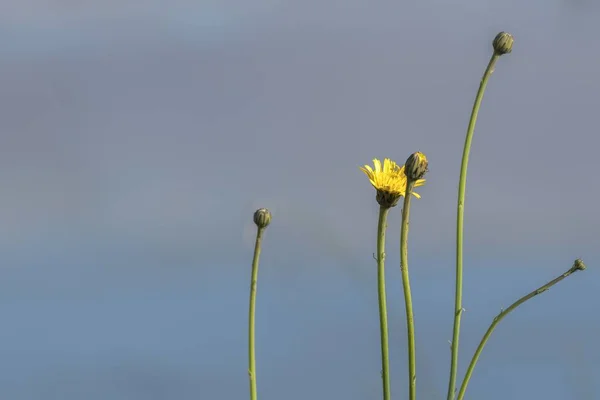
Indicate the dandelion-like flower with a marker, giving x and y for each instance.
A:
(389, 180)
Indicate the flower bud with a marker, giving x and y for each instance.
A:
(503, 43)
(262, 218)
(578, 265)
(416, 166)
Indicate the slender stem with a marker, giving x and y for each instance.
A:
(383, 324)
(410, 322)
(251, 349)
(459, 226)
(578, 265)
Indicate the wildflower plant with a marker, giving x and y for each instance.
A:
(393, 182)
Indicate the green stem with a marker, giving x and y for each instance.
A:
(459, 226)
(383, 324)
(251, 349)
(410, 322)
(578, 265)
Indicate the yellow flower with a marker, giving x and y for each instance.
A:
(389, 180)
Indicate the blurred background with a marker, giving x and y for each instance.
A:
(137, 139)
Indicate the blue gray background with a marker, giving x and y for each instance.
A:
(136, 141)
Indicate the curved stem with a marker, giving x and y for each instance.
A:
(578, 265)
(410, 322)
(251, 350)
(383, 324)
(459, 226)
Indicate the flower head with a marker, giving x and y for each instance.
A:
(389, 180)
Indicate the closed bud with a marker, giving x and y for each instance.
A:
(262, 218)
(503, 43)
(578, 265)
(416, 166)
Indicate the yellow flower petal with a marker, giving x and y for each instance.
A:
(377, 165)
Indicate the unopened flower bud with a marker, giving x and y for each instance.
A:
(578, 265)
(503, 43)
(416, 166)
(262, 218)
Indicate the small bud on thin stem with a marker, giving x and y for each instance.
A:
(503, 43)
(262, 217)
(578, 265)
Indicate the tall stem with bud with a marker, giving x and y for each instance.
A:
(502, 45)
(410, 320)
(414, 168)
(262, 218)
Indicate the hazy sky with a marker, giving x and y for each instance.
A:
(137, 139)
